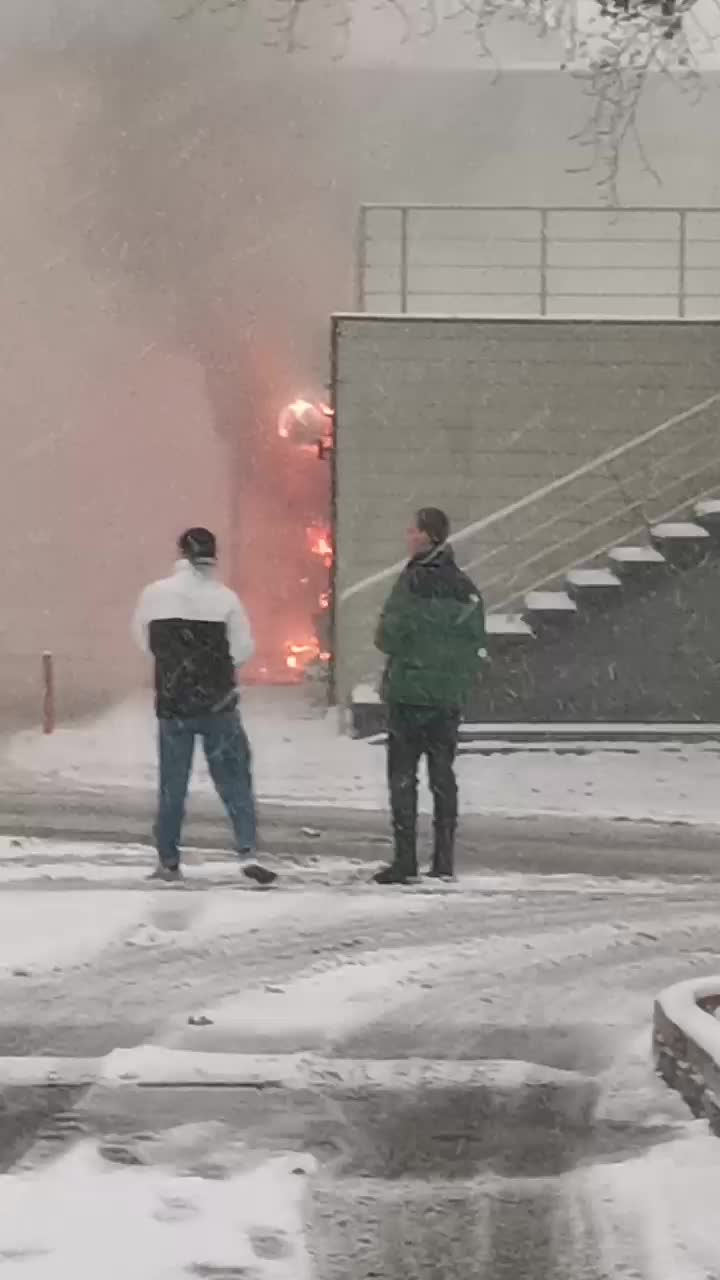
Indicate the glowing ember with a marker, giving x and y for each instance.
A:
(299, 656)
(320, 543)
(304, 424)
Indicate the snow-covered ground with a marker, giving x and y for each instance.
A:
(42, 932)
(300, 759)
(666, 1203)
(556, 971)
(81, 1218)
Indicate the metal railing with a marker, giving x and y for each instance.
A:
(572, 520)
(539, 261)
(613, 498)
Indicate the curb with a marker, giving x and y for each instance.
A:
(151, 1066)
(686, 1045)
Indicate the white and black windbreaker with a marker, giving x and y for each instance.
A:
(198, 633)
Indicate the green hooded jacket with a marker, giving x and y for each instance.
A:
(432, 629)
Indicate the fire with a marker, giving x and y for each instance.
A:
(305, 424)
(308, 425)
(320, 543)
(300, 655)
(297, 412)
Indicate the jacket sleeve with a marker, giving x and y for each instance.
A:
(392, 627)
(473, 618)
(141, 623)
(240, 636)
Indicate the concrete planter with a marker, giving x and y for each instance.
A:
(686, 1045)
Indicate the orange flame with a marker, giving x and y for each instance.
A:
(300, 655)
(320, 542)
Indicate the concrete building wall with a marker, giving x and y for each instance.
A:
(474, 415)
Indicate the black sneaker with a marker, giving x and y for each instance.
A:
(166, 875)
(393, 875)
(260, 874)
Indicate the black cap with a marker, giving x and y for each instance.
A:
(433, 522)
(199, 546)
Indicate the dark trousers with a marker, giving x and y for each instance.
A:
(414, 732)
(227, 752)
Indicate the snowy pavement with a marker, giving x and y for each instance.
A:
(435, 1080)
(543, 983)
(301, 760)
(83, 1217)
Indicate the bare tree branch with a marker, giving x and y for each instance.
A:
(615, 55)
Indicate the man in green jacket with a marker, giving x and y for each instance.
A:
(432, 630)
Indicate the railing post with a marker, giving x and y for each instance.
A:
(48, 679)
(361, 259)
(682, 264)
(543, 262)
(404, 220)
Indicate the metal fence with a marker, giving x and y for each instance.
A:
(541, 261)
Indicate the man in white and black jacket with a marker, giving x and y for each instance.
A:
(199, 634)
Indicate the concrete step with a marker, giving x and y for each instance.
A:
(683, 543)
(593, 588)
(549, 609)
(507, 632)
(620, 557)
(707, 514)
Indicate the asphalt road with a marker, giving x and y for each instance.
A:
(536, 844)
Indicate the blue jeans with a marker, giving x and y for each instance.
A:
(227, 752)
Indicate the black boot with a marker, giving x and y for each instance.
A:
(443, 863)
(394, 874)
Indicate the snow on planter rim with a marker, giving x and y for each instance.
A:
(680, 1005)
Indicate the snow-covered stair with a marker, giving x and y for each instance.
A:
(682, 544)
(637, 564)
(707, 513)
(549, 608)
(548, 613)
(594, 588)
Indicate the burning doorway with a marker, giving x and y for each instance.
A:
(289, 595)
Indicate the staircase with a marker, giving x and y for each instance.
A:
(608, 643)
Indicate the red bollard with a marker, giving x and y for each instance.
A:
(48, 693)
